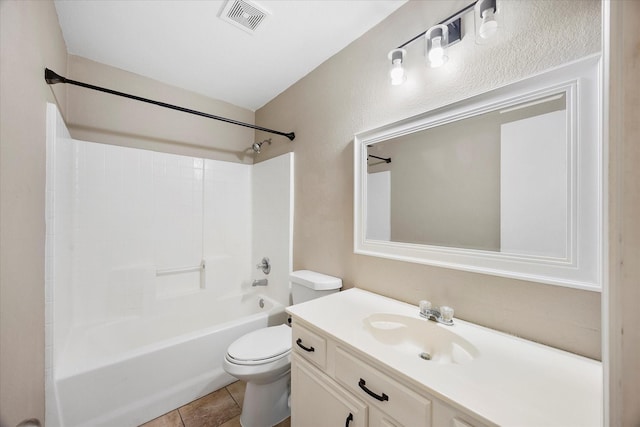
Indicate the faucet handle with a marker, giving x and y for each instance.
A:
(447, 313)
(425, 306)
(264, 265)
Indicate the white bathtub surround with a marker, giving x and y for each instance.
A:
(58, 272)
(150, 259)
(272, 221)
(227, 230)
(139, 212)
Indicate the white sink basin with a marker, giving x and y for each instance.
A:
(430, 341)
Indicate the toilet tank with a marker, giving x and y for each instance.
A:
(307, 285)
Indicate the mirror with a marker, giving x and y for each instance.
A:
(507, 183)
(505, 163)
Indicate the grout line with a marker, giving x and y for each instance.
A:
(180, 415)
(186, 404)
(233, 398)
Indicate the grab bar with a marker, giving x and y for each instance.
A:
(166, 271)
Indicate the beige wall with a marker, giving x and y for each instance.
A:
(624, 214)
(100, 117)
(350, 93)
(30, 40)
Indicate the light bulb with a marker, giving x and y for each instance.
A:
(487, 20)
(436, 42)
(489, 26)
(436, 54)
(397, 72)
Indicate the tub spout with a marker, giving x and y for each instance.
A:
(261, 282)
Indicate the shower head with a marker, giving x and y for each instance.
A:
(258, 145)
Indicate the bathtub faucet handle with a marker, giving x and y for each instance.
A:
(264, 265)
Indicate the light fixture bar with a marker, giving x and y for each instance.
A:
(454, 22)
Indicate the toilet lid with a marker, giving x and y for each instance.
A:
(261, 344)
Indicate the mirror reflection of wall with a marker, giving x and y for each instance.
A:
(379, 205)
(497, 181)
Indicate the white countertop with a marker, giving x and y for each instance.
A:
(510, 382)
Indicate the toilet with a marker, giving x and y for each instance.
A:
(262, 358)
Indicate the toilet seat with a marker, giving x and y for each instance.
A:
(261, 346)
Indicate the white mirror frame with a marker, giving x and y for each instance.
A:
(582, 268)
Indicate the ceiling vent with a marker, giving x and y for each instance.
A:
(244, 14)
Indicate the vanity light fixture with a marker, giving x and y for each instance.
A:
(445, 34)
(436, 41)
(397, 73)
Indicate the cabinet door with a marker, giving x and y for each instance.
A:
(378, 418)
(318, 401)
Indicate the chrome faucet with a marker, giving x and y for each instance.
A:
(443, 315)
(261, 282)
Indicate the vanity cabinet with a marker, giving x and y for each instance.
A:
(359, 353)
(331, 385)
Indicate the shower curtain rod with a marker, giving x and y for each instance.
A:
(386, 159)
(51, 77)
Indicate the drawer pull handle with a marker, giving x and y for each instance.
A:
(309, 349)
(349, 419)
(382, 398)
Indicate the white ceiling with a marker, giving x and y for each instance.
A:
(186, 44)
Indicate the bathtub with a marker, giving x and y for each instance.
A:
(129, 371)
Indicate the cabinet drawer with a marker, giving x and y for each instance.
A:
(311, 346)
(403, 405)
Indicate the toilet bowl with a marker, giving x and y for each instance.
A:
(262, 358)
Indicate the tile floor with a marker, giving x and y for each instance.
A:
(218, 409)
